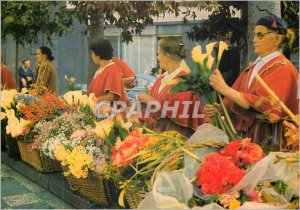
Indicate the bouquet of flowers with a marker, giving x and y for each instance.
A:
(220, 172)
(87, 154)
(13, 118)
(48, 135)
(198, 82)
(137, 157)
(80, 101)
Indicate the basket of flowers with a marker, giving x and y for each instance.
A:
(83, 167)
(40, 112)
(13, 123)
(136, 157)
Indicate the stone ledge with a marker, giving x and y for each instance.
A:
(53, 182)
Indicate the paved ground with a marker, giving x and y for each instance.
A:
(18, 192)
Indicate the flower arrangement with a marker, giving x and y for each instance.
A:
(242, 152)
(46, 107)
(138, 156)
(220, 172)
(11, 115)
(51, 134)
(80, 159)
(198, 82)
(217, 174)
(123, 151)
(80, 101)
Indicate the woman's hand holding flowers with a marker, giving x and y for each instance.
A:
(217, 81)
(211, 109)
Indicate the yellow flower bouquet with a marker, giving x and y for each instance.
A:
(198, 82)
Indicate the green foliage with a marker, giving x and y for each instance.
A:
(133, 16)
(279, 186)
(26, 20)
(290, 13)
(198, 82)
(222, 25)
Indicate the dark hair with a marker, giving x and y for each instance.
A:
(46, 51)
(103, 49)
(24, 60)
(173, 47)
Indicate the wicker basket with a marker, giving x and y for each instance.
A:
(37, 159)
(95, 187)
(133, 198)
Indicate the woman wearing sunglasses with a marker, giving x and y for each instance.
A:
(251, 109)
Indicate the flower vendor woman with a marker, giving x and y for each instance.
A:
(181, 118)
(254, 113)
(46, 75)
(107, 84)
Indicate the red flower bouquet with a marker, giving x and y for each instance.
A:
(218, 174)
(243, 152)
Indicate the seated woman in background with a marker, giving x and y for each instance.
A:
(107, 84)
(182, 118)
(46, 76)
(128, 75)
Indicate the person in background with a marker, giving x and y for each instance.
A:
(170, 53)
(46, 75)
(26, 75)
(254, 113)
(7, 79)
(107, 84)
(128, 75)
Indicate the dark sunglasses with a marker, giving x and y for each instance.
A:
(261, 35)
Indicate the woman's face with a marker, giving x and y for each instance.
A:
(40, 57)
(95, 58)
(265, 41)
(162, 58)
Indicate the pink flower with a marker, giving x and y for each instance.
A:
(226, 199)
(78, 134)
(252, 194)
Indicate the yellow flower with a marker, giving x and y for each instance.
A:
(197, 55)
(68, 98)
(72, 79)
(3, 115)
(104, 127)
(20, 104)
(234, 203)
(61, 153)
(91, 101)
(210, 62)
(10, 114)
(24, 91)
(184, 66)
(209, 48)
(222, 46)
(120, 120)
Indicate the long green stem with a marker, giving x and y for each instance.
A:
(227, 116)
